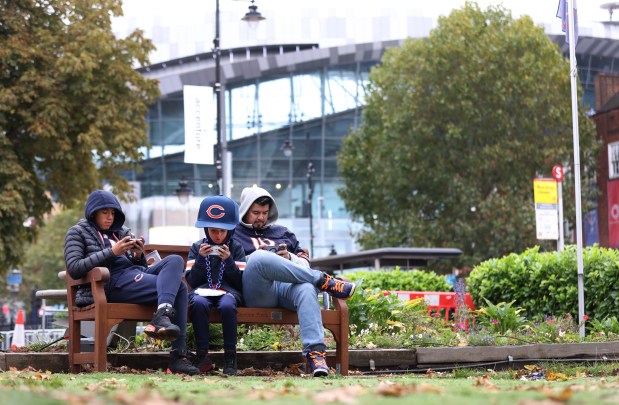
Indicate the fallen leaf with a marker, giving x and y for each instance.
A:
(484, 382)
(263, 394)
(429, 388)
(344, 395)
(150, 397)
(294, 369)
(550, 376)
(563, 396)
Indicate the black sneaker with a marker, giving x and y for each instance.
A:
(230, 362)
(180, 364)
(160, 327)
(318, 363)
(337, 288)
(202, 361)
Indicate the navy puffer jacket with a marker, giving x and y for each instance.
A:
(232, 278)
(84, 247)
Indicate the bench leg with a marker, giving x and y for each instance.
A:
(342, 350)
(340, 334)
(74, 345)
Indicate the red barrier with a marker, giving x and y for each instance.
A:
(436, 301)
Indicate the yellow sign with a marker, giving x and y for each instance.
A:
(545, 191)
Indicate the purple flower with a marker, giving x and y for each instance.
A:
(494, 321)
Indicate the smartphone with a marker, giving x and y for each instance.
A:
(215, 250)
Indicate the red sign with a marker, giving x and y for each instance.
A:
(557, 173)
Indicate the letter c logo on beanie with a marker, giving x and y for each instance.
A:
(215, 211)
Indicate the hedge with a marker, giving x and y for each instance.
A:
(547, 283)
(398, 280)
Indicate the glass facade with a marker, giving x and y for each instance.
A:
(312, 109)
(589, 66)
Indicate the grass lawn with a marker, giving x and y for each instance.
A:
(577, 386)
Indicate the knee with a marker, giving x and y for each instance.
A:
(306, 292)
(176, 262)
(228, 307)
(199, 304)
(257, 258)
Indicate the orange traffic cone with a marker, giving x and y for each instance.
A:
(19, 337)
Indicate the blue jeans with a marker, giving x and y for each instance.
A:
(271, 281)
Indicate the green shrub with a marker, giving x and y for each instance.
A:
(398, 280)
(547, 283)
(608, 325)
(368, 306)
(501, 318)
(379, 320)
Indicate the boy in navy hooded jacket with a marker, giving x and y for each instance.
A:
(215, 279)
(100, 240)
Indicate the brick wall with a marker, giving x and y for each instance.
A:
(607, 127)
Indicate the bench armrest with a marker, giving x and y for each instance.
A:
(96, 278)
(95, 275)
(340, 305)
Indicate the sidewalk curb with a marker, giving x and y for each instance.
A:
(359, 359)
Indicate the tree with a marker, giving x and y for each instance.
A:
(44, 258)
(72, 108)
(455, 129)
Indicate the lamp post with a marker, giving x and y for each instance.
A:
(183, 192)
(288, 149)
(310, 195)
(252, 17)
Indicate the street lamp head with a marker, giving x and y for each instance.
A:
(183, 192)
(287, 148)
(253, 17)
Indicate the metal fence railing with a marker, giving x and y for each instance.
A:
(33, 336)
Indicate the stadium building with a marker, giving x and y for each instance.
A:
(287, 107)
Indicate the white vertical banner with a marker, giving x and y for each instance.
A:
(200, 136)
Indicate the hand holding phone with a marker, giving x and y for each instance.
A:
(136, 246)
(275, 249)
(215, 250)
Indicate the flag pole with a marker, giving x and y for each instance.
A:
(570, 4)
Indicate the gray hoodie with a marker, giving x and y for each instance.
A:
(271, 234)
(251, 194)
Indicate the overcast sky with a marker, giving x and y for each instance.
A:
(185, 27)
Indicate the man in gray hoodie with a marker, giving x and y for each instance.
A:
(278, 273)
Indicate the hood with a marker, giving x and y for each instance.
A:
(251, 194)
(100, 199)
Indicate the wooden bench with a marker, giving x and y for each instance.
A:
(105, 315)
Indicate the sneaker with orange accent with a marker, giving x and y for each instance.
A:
(337, 288)
(318, 364)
